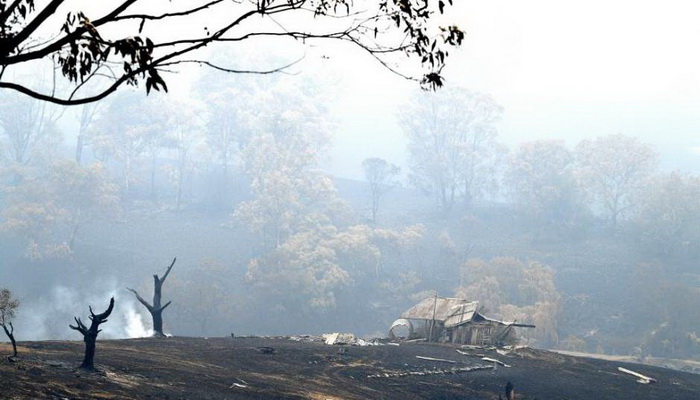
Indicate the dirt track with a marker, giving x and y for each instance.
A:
(227, 368)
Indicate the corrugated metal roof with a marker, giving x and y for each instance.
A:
(450, 311)
(462, 313)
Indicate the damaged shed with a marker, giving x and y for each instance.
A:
(454, 320)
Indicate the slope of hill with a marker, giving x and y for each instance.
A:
(280, 368)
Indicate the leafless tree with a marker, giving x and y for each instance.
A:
(90, 334)
(156, 309)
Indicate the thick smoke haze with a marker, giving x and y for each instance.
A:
(554, 179)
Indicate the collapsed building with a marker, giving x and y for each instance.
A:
(453, 320)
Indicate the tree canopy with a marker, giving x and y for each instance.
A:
(99, 47)
(452, 144)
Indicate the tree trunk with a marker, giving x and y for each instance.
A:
(375, 206)
(153, 176)
(155, 309)
(89, 360)
(90, 334)
(157, 322)
(179, 191)
(127, 176)
(79, 148)
(10, 334)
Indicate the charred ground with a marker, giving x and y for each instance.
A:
(280, 368)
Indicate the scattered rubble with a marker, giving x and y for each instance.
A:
(336, 338)
(493, 360)
(454, 370)
(347, 339)
(464, 353)
(436, 359)
(242, 385)
(237, 385)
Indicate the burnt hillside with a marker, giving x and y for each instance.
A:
(282, 368)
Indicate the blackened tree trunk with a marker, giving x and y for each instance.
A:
(90, 334)
(10, 334)
(156, 309)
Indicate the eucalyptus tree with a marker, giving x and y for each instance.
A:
(612, 170)
(47, 209)
(26, 126)
(100, 47)
(291, 128)
(130, 128)
(184, 134)
(668, 220)
(540, 180)
(381, 177)
(452, 144)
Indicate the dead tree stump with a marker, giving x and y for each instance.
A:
(155, 309)
(90, 334)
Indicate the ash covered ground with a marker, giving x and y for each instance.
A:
(307, 368)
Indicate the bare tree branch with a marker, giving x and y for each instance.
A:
(141, 299)
(236, 71)
(81, 51)
(168, 15)
(166, 304)
(167, 272)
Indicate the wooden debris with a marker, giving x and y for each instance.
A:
(436, 359)
(242, 385)
(642, 378)
(472, 347)
(493, 360)
(332, 338)
(238, 385)
(455, 370)
(464, 353)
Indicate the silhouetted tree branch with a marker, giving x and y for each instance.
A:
(118, 42)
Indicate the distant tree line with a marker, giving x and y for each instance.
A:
(612, 181)
(248, 150)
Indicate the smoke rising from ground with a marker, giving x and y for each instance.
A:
(48, 317)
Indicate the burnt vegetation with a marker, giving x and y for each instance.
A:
(156, 307)
(90, 333)
(224, 368)
(592, 247)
